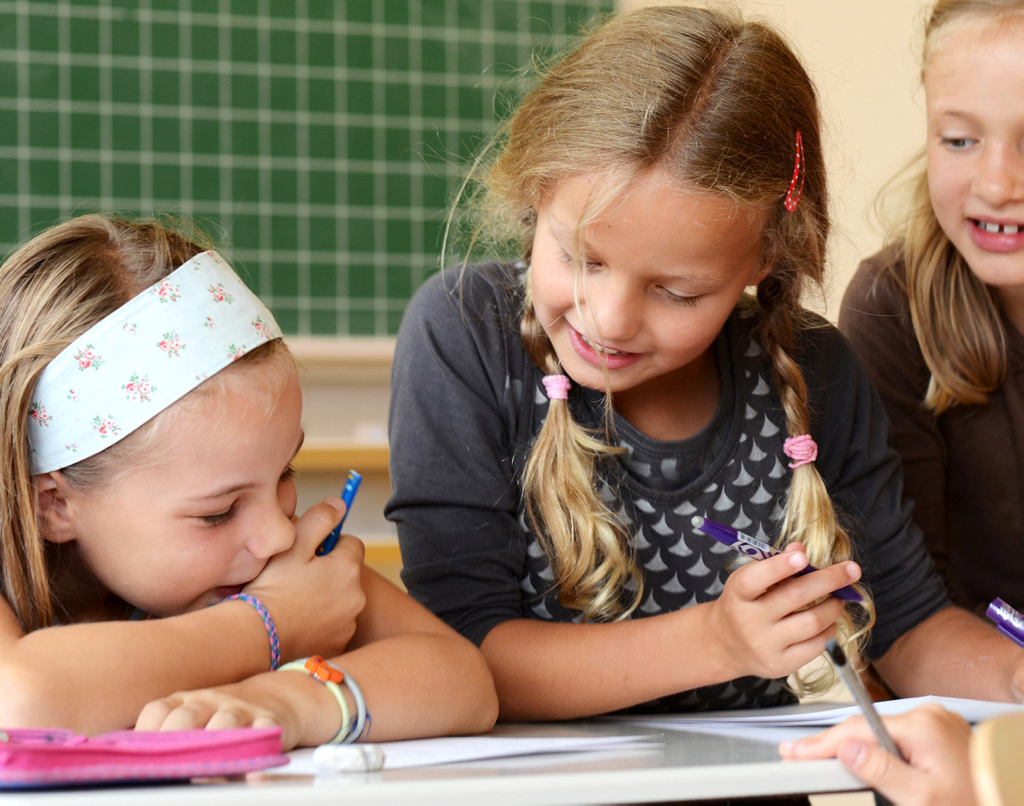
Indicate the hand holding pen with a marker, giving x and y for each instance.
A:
(935, 741)
(770, 620)
(314, 599)
(759, 550)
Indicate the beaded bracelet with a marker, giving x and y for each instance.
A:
(268, 622)
(330, 676)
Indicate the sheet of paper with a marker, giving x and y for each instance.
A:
(428, 752)
(820, 715)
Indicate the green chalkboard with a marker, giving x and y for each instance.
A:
(318, 141)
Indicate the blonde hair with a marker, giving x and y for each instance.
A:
(53, 289)
(715, 102)
(955, 315)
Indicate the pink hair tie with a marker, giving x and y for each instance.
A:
(557, 386)
(802, 449)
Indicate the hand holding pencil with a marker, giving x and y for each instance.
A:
(934, 740)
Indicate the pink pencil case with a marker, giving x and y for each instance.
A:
(42, 757)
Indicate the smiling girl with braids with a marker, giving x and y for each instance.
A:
(558, 420)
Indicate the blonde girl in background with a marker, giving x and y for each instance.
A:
(938, 315)
(151, 415)
(559, 419)
(938, 319)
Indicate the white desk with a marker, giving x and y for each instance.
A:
(689, 766)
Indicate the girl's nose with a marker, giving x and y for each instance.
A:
(1000, 175)
(275, 534)
(615, 311)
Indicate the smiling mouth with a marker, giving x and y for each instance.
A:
(997, 229)
(597, 348)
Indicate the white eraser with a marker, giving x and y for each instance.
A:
(348, 757)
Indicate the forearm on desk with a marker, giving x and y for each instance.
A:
(955, 654)
(96, 677)
(420, 678)
(550, 671)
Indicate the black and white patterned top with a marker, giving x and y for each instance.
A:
(467, 403)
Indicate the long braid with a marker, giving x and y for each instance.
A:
(810, 516)
(586, 543)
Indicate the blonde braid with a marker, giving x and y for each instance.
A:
(810, 516)
(586, 543)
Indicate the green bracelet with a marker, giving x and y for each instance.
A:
(310, 666)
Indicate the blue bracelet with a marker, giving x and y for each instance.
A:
(362, 715)
(268, 622)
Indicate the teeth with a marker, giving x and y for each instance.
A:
(598, 348)
(1006, 229)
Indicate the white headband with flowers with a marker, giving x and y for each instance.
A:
(143, 357)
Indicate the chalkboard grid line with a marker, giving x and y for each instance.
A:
(320, 141)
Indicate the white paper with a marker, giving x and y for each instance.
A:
(820, 715)
(428, 752)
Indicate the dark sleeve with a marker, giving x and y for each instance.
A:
(454, 498)
(864, 478)
(875, 318)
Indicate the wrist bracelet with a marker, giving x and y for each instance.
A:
(268, 622)
(330, 676)
(352, 729)
(362, 715)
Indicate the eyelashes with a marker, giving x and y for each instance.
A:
(219, 518)
(678, 299)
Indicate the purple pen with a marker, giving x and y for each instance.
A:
(754, 548)
(1008, 621)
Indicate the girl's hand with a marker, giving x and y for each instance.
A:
(213, 708)
(934, 741)
(314, 600)
(766, 623)
(303, 708)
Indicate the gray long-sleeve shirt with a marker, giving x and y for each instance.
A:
(467, 403)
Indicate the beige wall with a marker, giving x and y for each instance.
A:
(862, 55)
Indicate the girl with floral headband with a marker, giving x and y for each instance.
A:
(151, 414)
(559, 420)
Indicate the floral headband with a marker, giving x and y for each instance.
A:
(142, 358)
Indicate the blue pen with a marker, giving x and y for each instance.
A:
(351, 488)
(752, 547)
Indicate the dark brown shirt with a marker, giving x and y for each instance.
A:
(964, 470)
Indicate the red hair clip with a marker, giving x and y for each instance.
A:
(792, 199)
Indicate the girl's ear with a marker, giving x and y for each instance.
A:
(55, 516)
(760, 273)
